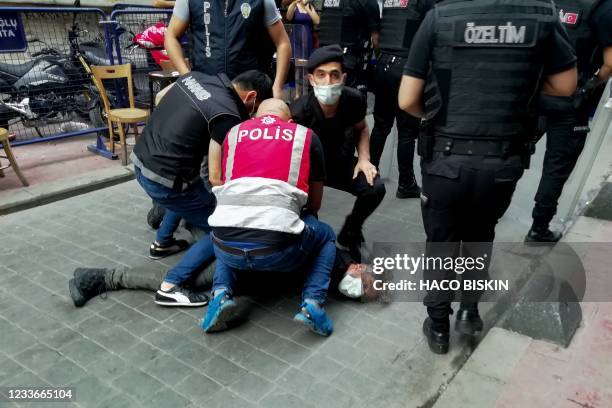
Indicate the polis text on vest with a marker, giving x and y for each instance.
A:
(285, 134)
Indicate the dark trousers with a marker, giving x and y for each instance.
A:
(386, 110)
(151, 275)
(563, 148)
(340, 176)
(463, 199)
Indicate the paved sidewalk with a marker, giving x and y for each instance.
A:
(510, 370)
(124, 351)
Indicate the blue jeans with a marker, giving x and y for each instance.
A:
(194, 205)
(316, 248)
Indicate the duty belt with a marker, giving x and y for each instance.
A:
(469, 147)
(244, 252)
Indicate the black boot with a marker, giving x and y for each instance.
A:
(87, 283)
(468, 320)
(155, 216)
(408, 190)
(437, 336)
(539, 234)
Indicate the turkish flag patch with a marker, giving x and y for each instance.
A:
(569, 18)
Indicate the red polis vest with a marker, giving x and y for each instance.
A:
(265, 172)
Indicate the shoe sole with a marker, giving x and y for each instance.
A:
(225, 316)
(175, 304)
(156, 257)
(467, 328)
(75, 294)
(533, 242)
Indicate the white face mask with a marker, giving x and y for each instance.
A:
(328, 94)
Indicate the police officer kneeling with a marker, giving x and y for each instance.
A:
(337, 114)
(167, 160)
(272, 176)
(487, 62)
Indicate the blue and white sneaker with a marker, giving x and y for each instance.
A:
(315, 318)
(221, 311)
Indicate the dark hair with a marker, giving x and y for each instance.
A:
(254, 80)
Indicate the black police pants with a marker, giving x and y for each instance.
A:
(386, 110)
(563, 148)
(340, 176)
(462, 202)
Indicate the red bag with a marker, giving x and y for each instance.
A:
(152, 37)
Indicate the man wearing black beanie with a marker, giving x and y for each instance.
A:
(336, 113)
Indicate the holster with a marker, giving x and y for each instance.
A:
(535, 131)
(426, 139)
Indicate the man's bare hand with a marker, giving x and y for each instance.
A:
(367, 168)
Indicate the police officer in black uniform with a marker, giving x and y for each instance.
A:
(400, 21)
(168, 155)
(230, 37)
(355, 26)
(488, 61)
(589, 26)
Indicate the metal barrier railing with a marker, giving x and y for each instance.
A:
(45, 91)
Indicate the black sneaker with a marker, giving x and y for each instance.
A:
(437, 340)
(155, 216)
(543, 235)
(411, 191)
(178, 296)
(87, 283)
(173, 247)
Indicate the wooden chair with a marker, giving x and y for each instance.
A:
(4, 139)
(128, 116)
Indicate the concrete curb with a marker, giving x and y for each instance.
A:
(30, 197)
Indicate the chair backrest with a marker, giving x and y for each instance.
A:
(103, 72)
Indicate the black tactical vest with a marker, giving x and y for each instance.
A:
(486, 61)
(400, 22)
(176, 138)
(340, 25)
(575, 16)
(226, 35)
